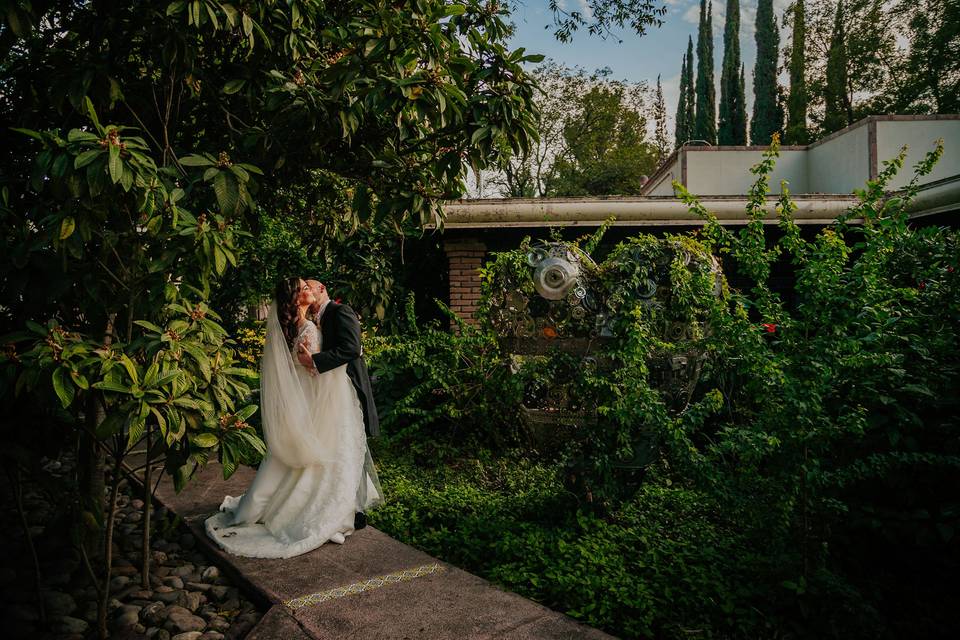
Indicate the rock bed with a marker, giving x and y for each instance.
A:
(188, 599)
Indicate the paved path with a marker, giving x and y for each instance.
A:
(369, 588)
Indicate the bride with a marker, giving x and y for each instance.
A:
(318, 472)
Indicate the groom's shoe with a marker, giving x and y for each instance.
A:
(360, 520)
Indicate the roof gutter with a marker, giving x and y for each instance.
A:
(628, 211)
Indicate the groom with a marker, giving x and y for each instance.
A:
(340, 344)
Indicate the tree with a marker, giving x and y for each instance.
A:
(765, 87)
(125, 189)
(660, 125)
(706, 119)
(682, 129)
(601, 16)
(691, 101)
(796, 131)
(869, 48)
(838, 112)
(927, 78)
(732, 128)
(607, 151)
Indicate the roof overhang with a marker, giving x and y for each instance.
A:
(665, 211)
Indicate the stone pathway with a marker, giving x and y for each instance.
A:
(371, 587)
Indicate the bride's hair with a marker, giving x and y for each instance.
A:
(286, 297)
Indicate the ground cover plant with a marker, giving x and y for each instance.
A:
(805, 491)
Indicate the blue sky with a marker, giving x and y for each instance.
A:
(637, 58)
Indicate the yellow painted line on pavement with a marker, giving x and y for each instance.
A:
(364, 585)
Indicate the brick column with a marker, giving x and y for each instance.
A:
(465, 258)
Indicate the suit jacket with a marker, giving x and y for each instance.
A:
(340, 328)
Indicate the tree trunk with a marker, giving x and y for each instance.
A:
(147, 495)
(108, 545)
(90, 476)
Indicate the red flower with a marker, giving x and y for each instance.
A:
(950, 269)
(922, 286)
(337, 300)
(769, 327)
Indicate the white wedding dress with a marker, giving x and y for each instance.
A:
(297, 502)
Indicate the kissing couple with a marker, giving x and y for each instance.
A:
(317, 481)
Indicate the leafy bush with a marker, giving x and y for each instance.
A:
(809, 482)
(438, 392)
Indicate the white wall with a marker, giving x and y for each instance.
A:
(839, 165)
(664, 184)
(727, 171)
(919, 136)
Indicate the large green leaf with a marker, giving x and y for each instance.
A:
(63, 386)
(228, 196)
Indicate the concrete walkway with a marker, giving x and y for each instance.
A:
(371, 587)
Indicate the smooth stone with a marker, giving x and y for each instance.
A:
(136, 516)
(181, 620)
(173, 581)
(137, 503)
(66, 624)
(219, 624)
(119, 582)
(152, 614)
(212, 635)
(169, 597)
(58, 603)
(198, 586)
(127, 570)
(128, 617)
(189, 635)
(142, 594)
(159, 573)
(219, 592)
(231, 605)
(193, 600)
(163, 634)
(209, 573)
(185, 570)
(159, 557)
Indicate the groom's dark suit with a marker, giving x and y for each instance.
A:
(340, 331)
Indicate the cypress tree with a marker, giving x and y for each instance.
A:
(837, 109)
(660, 124)
(706, 118)
(798, 99)
(691, 93)
(733, 117)
(681, 132)
(764, 122)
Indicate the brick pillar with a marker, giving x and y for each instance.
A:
(465, 258)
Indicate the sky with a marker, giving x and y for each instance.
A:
(659, 51)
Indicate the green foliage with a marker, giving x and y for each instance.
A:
(606, 147)
(705, 127)
(928, 75)
(766, 121)
(393, 100)
(682, 126)
(660, 141)
(439, 391)
(838, 112)
(798, 99)
(806, 482)
(732, 123)
(146, 347)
